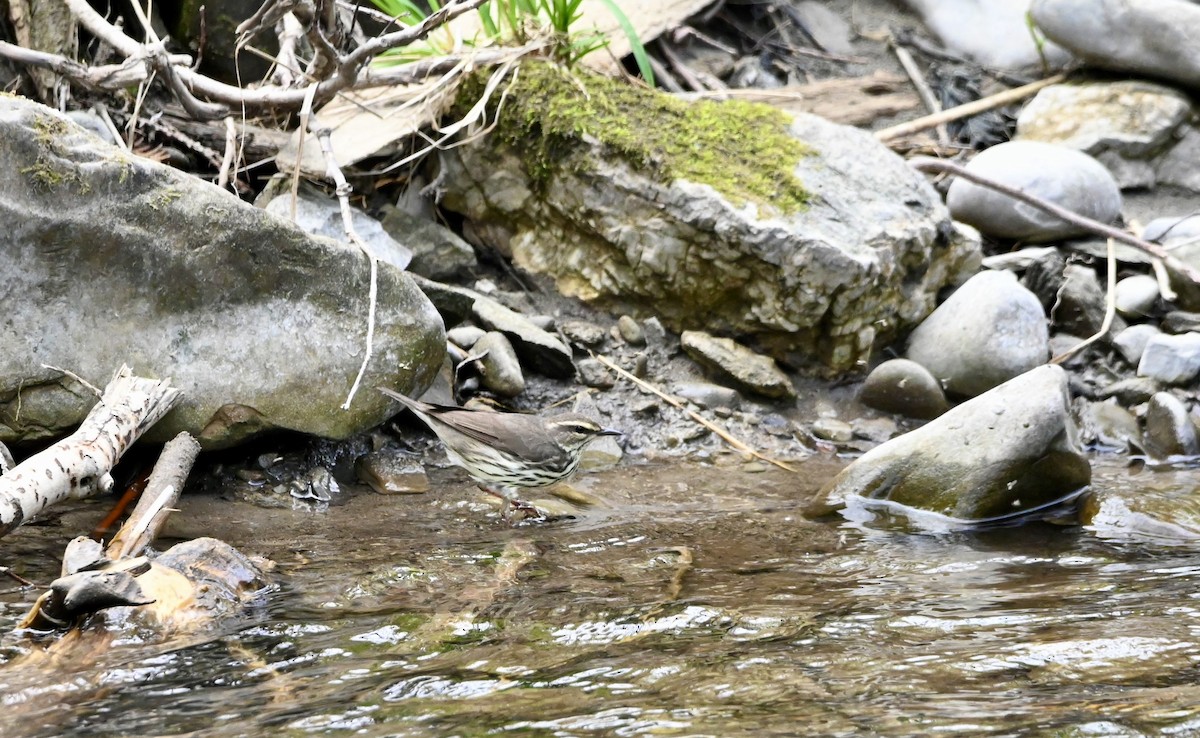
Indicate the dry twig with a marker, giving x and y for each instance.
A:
(929, 164)
(676, 402)
(966, 110)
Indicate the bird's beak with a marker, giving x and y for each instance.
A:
(610, 432)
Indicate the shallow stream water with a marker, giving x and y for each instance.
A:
(695, 601)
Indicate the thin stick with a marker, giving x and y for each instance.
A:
(158, 500)
(918, 81)
(230, 149)
(675, 401)
(966, 110)
(343, 190)
(1110, 309)
(930, 164)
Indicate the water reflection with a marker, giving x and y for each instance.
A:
(717, 611)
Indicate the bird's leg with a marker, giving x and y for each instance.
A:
(512, 503)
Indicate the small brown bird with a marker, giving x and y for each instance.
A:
(507, 451)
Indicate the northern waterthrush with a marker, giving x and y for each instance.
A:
(507, 451)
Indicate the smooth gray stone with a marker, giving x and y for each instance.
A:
(1008, 450)
(1136, 296)
(903, 387)
(1132, 391)
(112, 259)
(321, 215)
(1171, 359)
(990, 330)
(1169, 429)
(465, 336)
(708, 395)
(1132, 341)
(994, 33)
(499, 365)
(594, 374)
(437, 252)
(1156, 38)
(1063, 176)
(631, 331)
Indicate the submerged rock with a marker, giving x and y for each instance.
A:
(810, 238)
(1008, 451)
(112, 259)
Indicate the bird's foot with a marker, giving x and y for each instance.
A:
(513, 509)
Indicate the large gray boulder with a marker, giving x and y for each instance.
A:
(1150, 37)
(112, 259)
(1009, 450)
(817, 283)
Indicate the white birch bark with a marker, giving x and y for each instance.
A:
(79, 465)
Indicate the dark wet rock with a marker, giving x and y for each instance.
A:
(1126, 125)
(1063, 176)
(1169, 428)
(321, 215)
(1132, 341)
(594, 374)
(1045, 276)
(1150, 37)
(1009, 450)
(833, 429)
(1107, 425)
(1171, 359)
(464, 336)
(750, 371)
(391, 471)
(584, 333)
(989, 331)
(777, 425)
(112, 259)
(1132, 391)
(1179, 321)
(537, 348)
(1136, 296)
(995, 34)
(454, 304)
(708, 395)
(437, 252)
(819, 284)
(499, 365)
(1081, 303)
(631, 331)
(904, 387)
(1066, 344)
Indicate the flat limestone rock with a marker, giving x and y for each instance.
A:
(817, 284)
(112, 259)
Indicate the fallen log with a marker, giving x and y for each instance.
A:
(80, 465)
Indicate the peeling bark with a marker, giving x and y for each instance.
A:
(79, 465)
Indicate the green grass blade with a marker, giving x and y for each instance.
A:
(635, 44)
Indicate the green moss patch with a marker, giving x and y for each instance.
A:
(743, 150)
